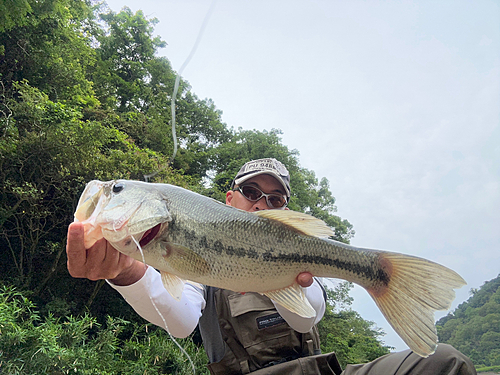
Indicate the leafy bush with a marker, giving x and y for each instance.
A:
(80, 345)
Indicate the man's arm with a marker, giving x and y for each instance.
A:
(181, 316)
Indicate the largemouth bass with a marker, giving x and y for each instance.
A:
(188, 236)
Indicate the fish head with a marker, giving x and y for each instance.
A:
(125, 213)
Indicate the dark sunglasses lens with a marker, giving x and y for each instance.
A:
(251, 193)
(276, 201)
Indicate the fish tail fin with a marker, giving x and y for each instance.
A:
(417, 288)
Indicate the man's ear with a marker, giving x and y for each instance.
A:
(229, 197)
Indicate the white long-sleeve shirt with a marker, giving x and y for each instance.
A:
(182, 316)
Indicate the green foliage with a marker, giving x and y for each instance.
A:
(125, 49)
(474, 326)
(46, 159)
(345, 332)
(50, 49)
(12, 13)
(488, 369)
(136, 86)
(32, 345)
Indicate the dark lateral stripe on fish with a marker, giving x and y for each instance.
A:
(202, 242)
(367, 271)
(372, 273)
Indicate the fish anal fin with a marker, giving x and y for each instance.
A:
(173, 284)
(299, 221)
(195, 284)
(293, 299)
(415, 290)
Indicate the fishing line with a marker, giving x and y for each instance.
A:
(161, 315)
(147, 177)
(174, 136)
(178, 78)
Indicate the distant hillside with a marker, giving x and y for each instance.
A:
(474, 327)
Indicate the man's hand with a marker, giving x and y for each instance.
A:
(101, 261)
(305, 279)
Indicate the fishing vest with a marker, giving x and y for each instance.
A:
(244, 333)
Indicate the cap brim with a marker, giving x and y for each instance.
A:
(242, 179)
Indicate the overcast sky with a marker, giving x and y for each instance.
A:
(396, 103)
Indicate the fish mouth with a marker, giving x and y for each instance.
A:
(149, 235)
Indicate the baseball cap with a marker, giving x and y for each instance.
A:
(268, 166)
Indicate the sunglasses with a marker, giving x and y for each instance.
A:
(254, 194)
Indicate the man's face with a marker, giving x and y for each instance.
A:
(264, 182)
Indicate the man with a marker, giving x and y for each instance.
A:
(242, 333)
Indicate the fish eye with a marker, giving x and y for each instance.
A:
(118, 187)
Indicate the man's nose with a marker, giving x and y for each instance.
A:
(261, 204)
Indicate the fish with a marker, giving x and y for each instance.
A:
(189, 237)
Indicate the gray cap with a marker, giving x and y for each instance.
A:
(268, 166)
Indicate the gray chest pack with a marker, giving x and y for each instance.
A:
(244, 333)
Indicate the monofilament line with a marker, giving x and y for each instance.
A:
(178, 78)
(161, 315)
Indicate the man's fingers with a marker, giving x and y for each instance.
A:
(114, 262)
(75, 249)
(101, 261)
(96, 266)
(82, 262)
(305, 279)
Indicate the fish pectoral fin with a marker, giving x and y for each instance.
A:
(185, 260)
(293, 299)
(299, 221)
(173, 284)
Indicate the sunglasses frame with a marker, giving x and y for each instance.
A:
(239, 189)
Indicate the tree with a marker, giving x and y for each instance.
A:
(13, 13)
(132, 80)
(126, 47)
(50, 49)
(474, 326)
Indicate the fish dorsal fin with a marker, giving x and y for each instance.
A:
(293, 299)
(173, 284)
(303, 223)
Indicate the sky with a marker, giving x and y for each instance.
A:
(396, 103)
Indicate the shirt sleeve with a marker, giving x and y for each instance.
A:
(315, 295)
(181, 317)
